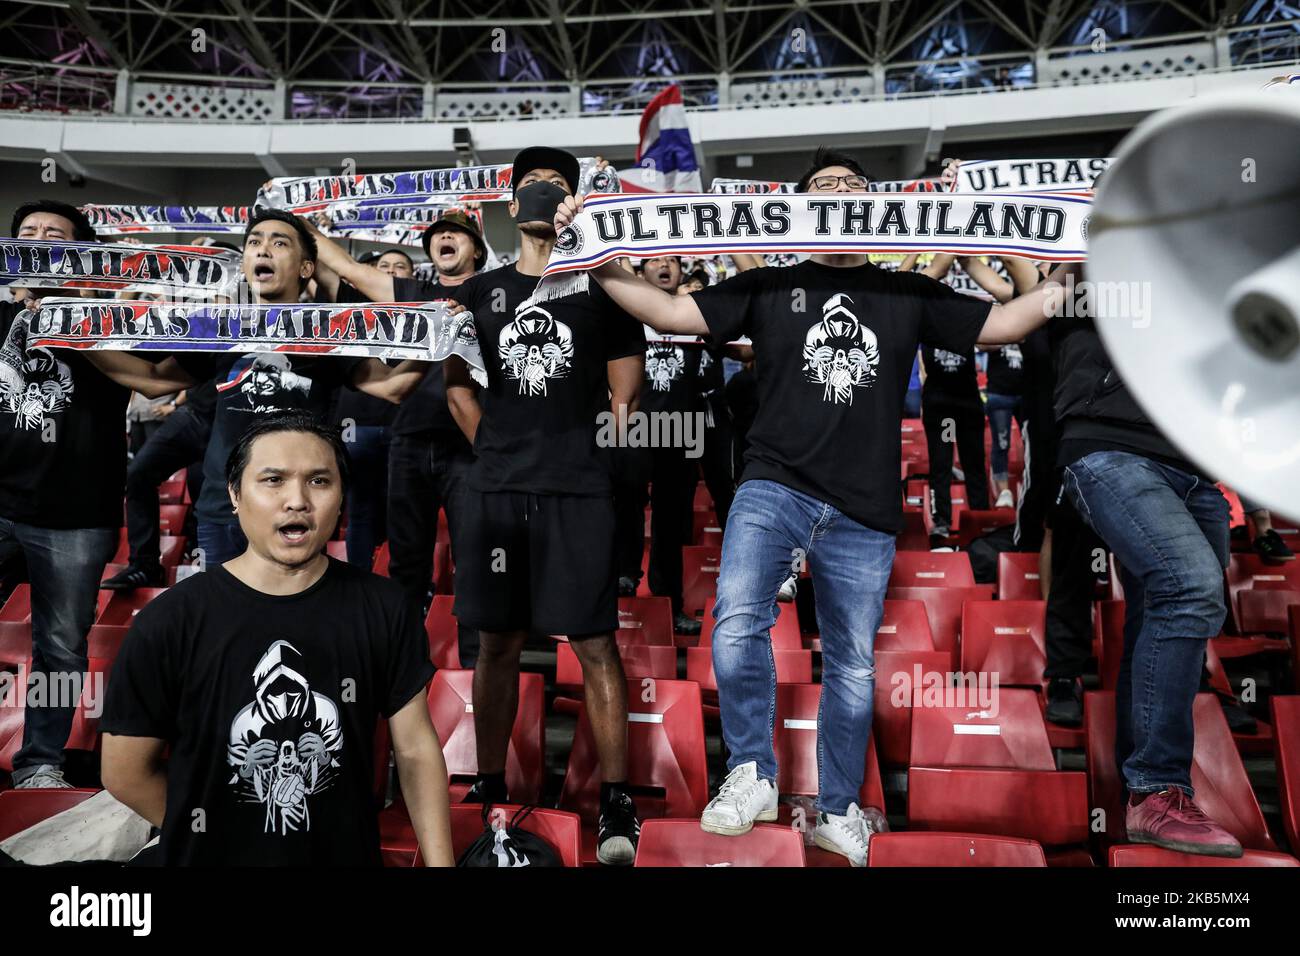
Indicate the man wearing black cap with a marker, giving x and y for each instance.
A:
(537, 546)
(428, 457)
(61, 486)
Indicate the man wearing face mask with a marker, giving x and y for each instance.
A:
(537, 549)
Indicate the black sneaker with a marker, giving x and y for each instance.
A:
(685, 624)
(479, 794)
(1239, 721)
(1064, 702)
(1272, 548)
(939, 539)
(618, 832)
(131, 577)
(627, 586)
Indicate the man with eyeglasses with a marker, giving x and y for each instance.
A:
(833, 338)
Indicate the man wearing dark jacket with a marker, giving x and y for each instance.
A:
(1167, 524)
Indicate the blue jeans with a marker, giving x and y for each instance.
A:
(367, 495)
(1169, 532)
(1001, 409)
(64, 566)
(768, 526)
(220, 542)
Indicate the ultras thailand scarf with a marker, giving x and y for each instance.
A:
(423, 331)
(1045, 226)
(118, 267)
(110, 220)
(433, 187)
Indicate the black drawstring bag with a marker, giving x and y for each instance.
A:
(510, 846)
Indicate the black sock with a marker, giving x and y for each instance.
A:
(493, 786)
(608, 791)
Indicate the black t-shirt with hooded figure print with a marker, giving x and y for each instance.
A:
(62, 437)
(548, 384)
(833, 349)
(269, 706)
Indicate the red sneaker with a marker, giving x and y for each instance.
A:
(1170, 819)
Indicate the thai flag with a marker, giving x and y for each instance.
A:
(666, 154)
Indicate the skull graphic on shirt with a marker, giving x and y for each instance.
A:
(535, 348)
(839, 352)
(664, 364)
(949, 361)
(33, 383)
(284, 746)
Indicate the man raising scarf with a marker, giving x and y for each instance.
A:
(834, 337)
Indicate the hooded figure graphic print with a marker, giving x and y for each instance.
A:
(534, 349)
(839, 352)
(664, 364)
(284, 745)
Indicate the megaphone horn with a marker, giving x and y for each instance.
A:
(1198, 221)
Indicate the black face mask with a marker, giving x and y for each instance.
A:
(538, 202)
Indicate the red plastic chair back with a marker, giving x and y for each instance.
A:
(1018, 576)
(1007, 638)
(953, 850)
(682, 843)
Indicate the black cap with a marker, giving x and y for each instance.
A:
(546, 157)
(463, 221)
(82, 230)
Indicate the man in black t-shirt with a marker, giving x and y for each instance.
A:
(428, 457)
(242, 708)
(953, 415)
(670, 388)
(64, 465)
(537, 548)
(279, 260)
(820, 484)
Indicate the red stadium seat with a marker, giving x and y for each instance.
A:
(639, 660)
(953, 849)
(943, 607)
(645, 620)
(683, 843)
(992, 771)
(785, 632)
(383, 557)
(20, 809)
(1018, 576)
(440, 624)
(898, 692)
(103, 642)
(1218, 776)
(171, 519)
(792, 667)
(1264, 610)
(700, 566)
(1286, 744)
(795, 743)
(451, 696)
(1108, 637)
(931, 570)
(172, 491)
(1007, 638)
(563, 831)
(19, 605)
(665, 750)
(123, 606)
(1250, 571)
(904, 626)
(1139, 854)
(974, 524)
(15, 659)
(1293, 622)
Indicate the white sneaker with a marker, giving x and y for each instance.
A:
(1005, 500)
(788, 589)
(46, 777)
(742, 801)
(848, 835)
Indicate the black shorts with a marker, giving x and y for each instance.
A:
(536, 562)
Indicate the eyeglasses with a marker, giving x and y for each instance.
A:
(830, 182)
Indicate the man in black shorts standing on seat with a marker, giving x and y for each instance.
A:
(537, 546)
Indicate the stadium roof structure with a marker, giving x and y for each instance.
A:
(340, 58)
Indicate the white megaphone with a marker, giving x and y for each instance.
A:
(1194, 270)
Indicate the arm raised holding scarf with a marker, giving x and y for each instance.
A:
(680, 315)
